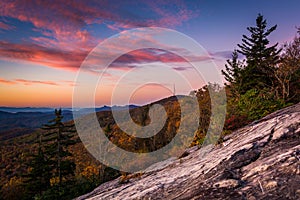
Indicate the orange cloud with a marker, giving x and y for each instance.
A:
(3, 81)
(32, 82)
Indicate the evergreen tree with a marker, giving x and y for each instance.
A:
(261, 58)
(233, 73)
(57, 138)
(252, 83)
(38, 178)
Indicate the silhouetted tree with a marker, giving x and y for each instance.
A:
(260, 58)
(57, 137)
(233, 73)
(38, 178)
(253, 83)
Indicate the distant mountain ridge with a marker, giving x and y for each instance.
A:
(16, 121)
(20, 123)
(49, 109)
(25, 109)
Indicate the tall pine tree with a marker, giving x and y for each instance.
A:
(260, 57)
(57, 138)
(252, 83)
(233, 73)
(38, 179)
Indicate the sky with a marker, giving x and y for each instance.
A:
(48, 48)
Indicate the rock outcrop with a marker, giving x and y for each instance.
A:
(259, 161)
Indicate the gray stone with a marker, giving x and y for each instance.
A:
(259, 161)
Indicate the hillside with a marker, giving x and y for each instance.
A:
(16, 150)
(21, 123)
(259, 161)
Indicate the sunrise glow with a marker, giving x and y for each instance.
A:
(42, 45)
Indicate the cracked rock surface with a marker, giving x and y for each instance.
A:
(259, 161)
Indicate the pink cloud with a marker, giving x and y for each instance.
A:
(149, 55)
(6, 26)
(61, 25)
(65, 39)
(33, 82)
(165, 17)
(3, 81)
(171, 18)
(30, 82)
(39, 54)
(130, 60)
(69, 83)
(117, 26)
(65, 20)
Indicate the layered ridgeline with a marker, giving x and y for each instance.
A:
(17, 121)
(19, 154)
(259, 160)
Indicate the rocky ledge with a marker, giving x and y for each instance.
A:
(259, 161)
